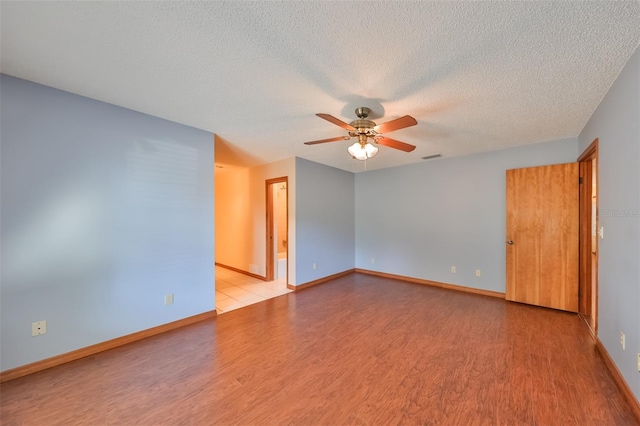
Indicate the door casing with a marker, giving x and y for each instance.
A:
(588, 274)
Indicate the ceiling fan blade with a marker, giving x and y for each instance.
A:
(392, 143)
(398, 123)
(337, 122)
(339, 138)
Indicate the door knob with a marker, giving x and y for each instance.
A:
(510, 242)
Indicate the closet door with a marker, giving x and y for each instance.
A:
(542, 236)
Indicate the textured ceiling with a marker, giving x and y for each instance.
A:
(477, 76)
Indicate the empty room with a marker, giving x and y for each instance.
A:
(320, 213)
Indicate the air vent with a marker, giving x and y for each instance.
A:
(429, 157)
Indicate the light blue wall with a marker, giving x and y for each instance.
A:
(104, 211)
(325, 219)
(616, 122)
(421, 219)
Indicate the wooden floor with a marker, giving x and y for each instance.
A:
(359, 350)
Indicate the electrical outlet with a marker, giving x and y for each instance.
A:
(453, 269)
(168, 299)
(638, 362)
(478, 272)
(622, 341)
(315, 266)
(38, 328)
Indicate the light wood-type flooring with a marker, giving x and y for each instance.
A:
(235, 290)
(359, 350)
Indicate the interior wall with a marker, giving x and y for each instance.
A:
(421, 219)
(241, 215)
(104, 211)
(616, 123)
(234, 227)
(325, 221)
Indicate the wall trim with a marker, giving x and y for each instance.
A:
(240, 271)
(618, 378)
(319, 280)
(44, 364)
(433, 283)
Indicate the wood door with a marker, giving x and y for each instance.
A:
(542, 236)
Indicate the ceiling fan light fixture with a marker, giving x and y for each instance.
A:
(362, 151)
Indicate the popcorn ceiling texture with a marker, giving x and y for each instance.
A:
(477, 76)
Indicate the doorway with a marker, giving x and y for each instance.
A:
(589, 225)
(277, 197)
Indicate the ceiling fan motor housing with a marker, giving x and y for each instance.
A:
(363, 126)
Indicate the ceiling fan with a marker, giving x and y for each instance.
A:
(364, 129)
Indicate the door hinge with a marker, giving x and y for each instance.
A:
(580, 180)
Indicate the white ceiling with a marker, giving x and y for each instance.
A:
(477, 76)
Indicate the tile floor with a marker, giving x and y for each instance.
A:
(235, 290)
